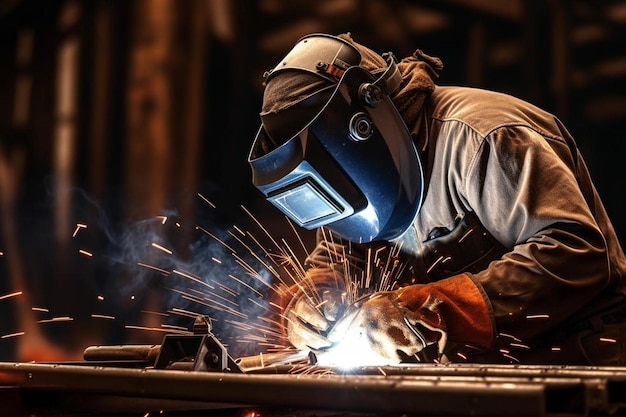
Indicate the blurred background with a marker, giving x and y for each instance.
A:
(125, 127)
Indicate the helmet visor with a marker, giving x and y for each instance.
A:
(353, 168)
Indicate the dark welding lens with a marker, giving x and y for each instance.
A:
(361, 127)
(306, 203)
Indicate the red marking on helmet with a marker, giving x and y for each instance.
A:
(335, 71)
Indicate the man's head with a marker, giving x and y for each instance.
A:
(332, 149)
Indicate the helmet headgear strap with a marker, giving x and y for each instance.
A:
(329, 57)
(387, 83)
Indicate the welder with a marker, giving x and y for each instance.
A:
(508, 253)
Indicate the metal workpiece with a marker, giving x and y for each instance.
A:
(421, 390)
(194, 372)
(263, 361)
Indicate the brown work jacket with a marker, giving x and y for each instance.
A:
(509, 201)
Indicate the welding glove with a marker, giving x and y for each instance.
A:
(389, 327)
(317, 302)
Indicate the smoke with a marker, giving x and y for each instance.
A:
(195, 269)
(166, 267)
(195, 266)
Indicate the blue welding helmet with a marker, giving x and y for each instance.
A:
(342, 158)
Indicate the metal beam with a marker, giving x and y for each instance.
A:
(431, 390)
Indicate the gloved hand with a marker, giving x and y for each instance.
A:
(380, 330)
(317, 302)
(389, 327)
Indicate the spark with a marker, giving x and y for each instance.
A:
(154, 329)
(466, 234)
(439, 260)
(215, 305)
(13, 294)
(163, 219)
(538, 316)
(261, 226)
(556, 348)
(44, 310)
(188, 275)
(181, 292)
(273, 304)
(200, 293)
(269, 256)
(6, 336)
(197, 299)
(223, 299)
(206, 200)
(606, 339)
(163, 271)
(258, 304)
(84, 252)
(162, 248)
(243, 326)
(520, 345)
(253, 338)
(510, 336)
(185, 313)
(78, 227)
(292, 258)
(315, 370)
(216, 239)
(56, 319)
(296, 234)
(100, 298)
(216, 260)
(273, 323)
(252, 271)
(226, 289)
(461, 355)
(245, 285)
(330, 240)
(513, 358)
(274, 346)
(102, 316)
(158, 313)
(368, 278)
(1, 253)
(171, 326)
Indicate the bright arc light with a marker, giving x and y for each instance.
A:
(350, 353)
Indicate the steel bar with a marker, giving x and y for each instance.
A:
(413, 394)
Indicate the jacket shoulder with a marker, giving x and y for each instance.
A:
(485, 111)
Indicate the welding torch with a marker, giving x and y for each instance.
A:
(349, 346)
(146, 355)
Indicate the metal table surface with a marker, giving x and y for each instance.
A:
(88, 389)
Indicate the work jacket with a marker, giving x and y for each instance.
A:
(509, 202)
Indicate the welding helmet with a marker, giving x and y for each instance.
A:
(343, 157)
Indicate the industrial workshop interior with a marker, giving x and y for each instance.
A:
(139, 265)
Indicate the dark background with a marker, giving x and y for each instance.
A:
(115, 112)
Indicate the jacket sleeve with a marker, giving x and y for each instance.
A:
(533, 193)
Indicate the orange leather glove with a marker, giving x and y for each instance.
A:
(388, 327)
(317, 303)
